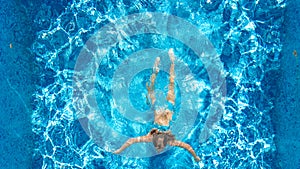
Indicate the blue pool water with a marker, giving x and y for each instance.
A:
(73, 76)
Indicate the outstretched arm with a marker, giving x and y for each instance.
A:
(147, 138)
(171, 92)
(185, 146)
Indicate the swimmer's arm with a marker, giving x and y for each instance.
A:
(185, 146)
(147, 138)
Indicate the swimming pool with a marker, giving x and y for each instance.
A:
(87, 68)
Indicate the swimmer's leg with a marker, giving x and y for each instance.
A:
(171, 92)
(147, 138)
(185, 146)
(150, 88)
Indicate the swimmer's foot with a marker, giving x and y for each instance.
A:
(156, 64)
(171, 55)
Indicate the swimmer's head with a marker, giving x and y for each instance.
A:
(161, 139)
(159, 142)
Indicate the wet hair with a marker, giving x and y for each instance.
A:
(153, 131)
(165, 136)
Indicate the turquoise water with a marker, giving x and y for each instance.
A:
(91, 61)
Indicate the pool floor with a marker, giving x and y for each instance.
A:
(20, 81)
